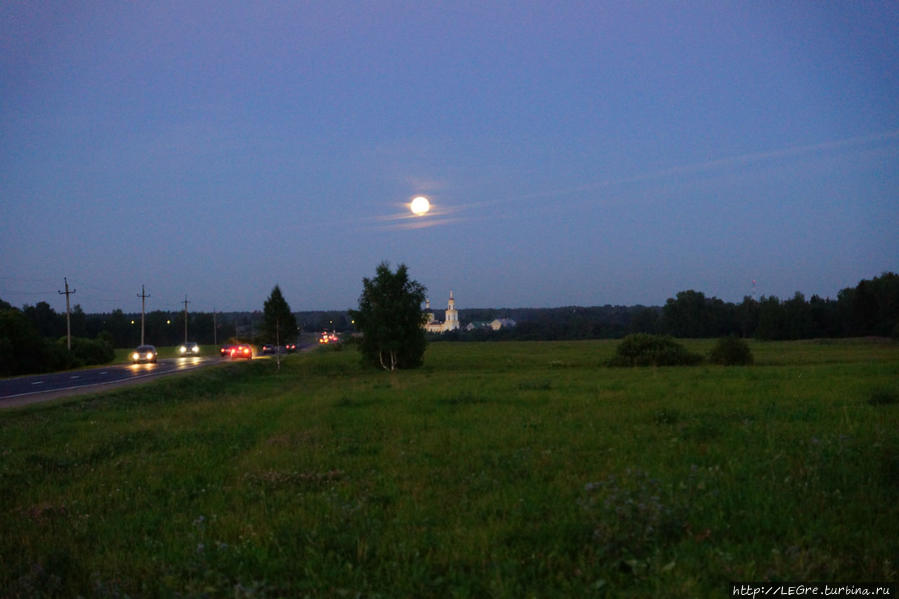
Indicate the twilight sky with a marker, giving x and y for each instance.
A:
(574, 152)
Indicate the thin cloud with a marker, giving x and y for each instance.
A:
(719, 163)
(438, 215)
(443, 215)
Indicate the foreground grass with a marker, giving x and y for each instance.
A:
(498, 469)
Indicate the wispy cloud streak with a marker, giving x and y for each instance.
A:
(720, 163)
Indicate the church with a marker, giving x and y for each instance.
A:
(452, 318)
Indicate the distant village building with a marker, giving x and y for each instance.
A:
(452, 318)
(501, 323)
(495, 324)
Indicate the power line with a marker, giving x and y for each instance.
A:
(13, 291)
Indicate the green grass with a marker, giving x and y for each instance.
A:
(497, 469)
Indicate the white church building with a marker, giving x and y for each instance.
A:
(452, 318)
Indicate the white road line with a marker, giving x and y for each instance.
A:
(152, 373)
(74, 377)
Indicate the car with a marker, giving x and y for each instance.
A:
(144, 354)
(328, 337)
(268, 348)
(225, 350)
(241, 350)
(291, 348)
(190, 348)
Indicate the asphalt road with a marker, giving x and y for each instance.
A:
(25, 389)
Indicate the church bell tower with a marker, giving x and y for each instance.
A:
(452, 316)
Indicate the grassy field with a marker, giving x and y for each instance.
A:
(496, 470)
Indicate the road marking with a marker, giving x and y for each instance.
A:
(104, 372)
(86, 387)
(74, 377)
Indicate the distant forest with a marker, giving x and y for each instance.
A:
(871, 308)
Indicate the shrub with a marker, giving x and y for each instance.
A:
(86, 352)
(641, 349)
(731, 351)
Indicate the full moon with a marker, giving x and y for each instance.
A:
(420, 205)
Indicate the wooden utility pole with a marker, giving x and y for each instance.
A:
(143, 301)
(185, 318)
(67, 293)
(214, 328)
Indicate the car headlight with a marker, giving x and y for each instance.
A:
(135, 356)
(182, 349)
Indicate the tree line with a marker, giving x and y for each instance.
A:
(122, 329)
(34, 339)
(871, 308)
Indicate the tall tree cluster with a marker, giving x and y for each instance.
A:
(869, 309)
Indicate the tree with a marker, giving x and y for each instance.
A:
(120, 330)
(278, 322)
(771, 319)
(390, 318)
(798, 323)
(23, 350)
(687, 315)
(47, 322)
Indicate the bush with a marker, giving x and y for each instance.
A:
(731, 351)
(22, 349)
(642, 349)
(86, 352)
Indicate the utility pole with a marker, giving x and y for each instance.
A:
(67, 293)
(185, 317)
(277, 346)
(143, 300)
(214, 328)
